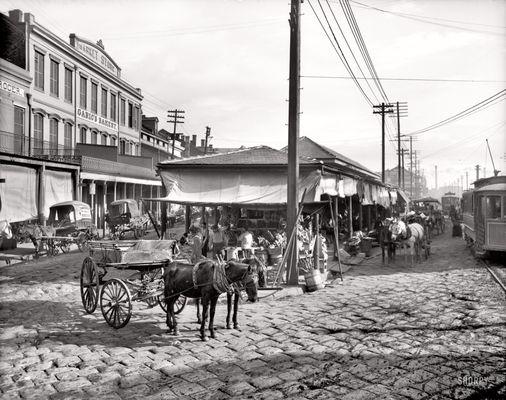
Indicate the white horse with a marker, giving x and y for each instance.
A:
(5, 229)
(411, 235)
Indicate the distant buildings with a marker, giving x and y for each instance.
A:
(415, 186)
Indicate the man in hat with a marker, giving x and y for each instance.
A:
(217, 240)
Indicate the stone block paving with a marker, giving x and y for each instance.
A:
(432, 331)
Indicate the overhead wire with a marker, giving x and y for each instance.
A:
(408, 79)
(489, 101)
(428, 20)
(339, 53)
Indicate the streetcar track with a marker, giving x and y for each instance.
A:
(495, 275)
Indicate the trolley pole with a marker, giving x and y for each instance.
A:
(293, 141)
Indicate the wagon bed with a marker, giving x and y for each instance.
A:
(147, 257)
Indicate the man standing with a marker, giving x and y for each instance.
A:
(217, 240)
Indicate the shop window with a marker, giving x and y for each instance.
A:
(53, 135)
(104, 103)
(94, 95)
(67, 137)
(38, 131)
(113, 141)
(82, 135)
(122, 147)
(68, 85)
(113, 107)
(493, 207)
(83, 92)
(39, 70)
(103, 139)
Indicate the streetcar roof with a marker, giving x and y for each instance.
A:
(495, 187)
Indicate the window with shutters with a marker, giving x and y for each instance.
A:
(38, 131)
(68, 85)
(83, 92)
(53, 135)
(54, 79)
(82, 135)
(67, 137)
(104, 103)
(39, 70)
(94, 96)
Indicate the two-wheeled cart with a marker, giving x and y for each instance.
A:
(146, 259)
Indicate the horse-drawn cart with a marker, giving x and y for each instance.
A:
(145, 259)
(124, 216)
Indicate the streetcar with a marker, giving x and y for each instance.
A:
(448, 200)
(484, 215)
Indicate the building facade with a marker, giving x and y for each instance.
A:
(76, 109)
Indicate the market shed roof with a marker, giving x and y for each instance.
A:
(310, 148)
(251, 156)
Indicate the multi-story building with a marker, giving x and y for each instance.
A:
(78, 110)
(159, 144)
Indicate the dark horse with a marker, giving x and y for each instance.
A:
(251, 280)
(385, 240)
(206, 280)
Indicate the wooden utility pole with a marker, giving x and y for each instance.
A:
(435, 174)
(401, 108)
(208, 134)
(467, 180)
(411, 166)
(177, 118)
(382, 109)
(293, 141)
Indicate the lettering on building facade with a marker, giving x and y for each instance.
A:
(96, 56)
(88, 116)
(9, 87)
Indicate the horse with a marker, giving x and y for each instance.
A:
(237, 288)
(5, 229)
(385, 239)
(411, 235)
(207, 280)
(34, 232)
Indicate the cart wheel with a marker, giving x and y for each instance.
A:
(115, 303)
(65, 247)
(82, 242)
(90, 285)
(179, 304)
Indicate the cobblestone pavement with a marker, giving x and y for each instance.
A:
(436, 330)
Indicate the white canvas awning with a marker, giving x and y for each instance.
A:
(243, 187)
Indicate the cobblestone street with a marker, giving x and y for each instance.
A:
(436, 330)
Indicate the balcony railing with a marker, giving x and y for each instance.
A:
(19, 145)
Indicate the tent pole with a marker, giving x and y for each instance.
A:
(336, 236)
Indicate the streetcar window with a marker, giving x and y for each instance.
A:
(504, 206)
(494, 207)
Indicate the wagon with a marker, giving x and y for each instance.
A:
(144, 262)
(124, 216)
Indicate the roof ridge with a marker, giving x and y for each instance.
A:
(207, 156)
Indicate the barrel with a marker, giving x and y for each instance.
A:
(313, 280)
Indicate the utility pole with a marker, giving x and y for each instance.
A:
(435, 174)
(402, 152)
(382, 109)
(411, 165)
(177, 118)
(467, 180)
(293, 142)
(208, 135)
(401, 108)
(477, 171)
(416, 177)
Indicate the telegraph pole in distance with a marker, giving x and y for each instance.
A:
(477, 171)
(177, 118)
(208, 135)
(382, 109)
(292, 196)
(401, 110)
(435, 174)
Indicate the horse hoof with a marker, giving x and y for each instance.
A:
(204, 338)
(212, 335)
(176, 333)
(237, 327)
(228, 326)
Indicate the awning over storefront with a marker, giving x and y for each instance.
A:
(18, 194)
(59, 187)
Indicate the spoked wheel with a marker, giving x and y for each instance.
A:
(65, 247)
(90, 285)
(178, 305)
(115, 303)
(82, 242)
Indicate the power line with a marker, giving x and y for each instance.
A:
(489, 101)
(427, 20)
(339, 52)
(408, 79)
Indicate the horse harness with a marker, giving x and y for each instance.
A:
(220, 281)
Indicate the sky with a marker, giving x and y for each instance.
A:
(225, 62)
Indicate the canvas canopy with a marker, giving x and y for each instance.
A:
(245, 187)
(18, 195)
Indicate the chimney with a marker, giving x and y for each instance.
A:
(29, 19)
(194, 140)
(202, 142)
(16, 16)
